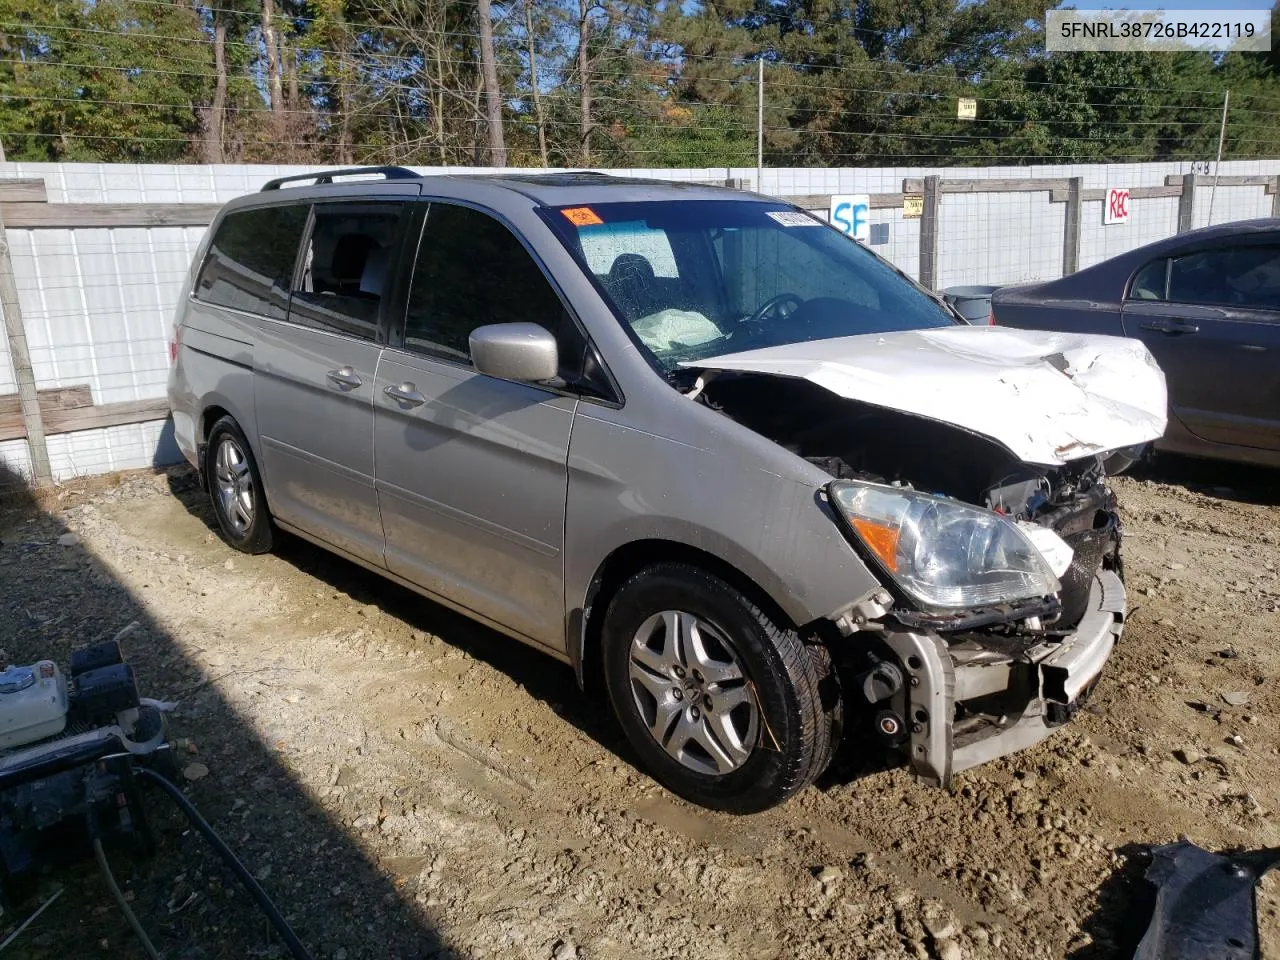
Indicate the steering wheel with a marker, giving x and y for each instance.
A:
(773, 306)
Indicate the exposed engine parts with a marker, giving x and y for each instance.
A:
(954, 687)
(849, 439)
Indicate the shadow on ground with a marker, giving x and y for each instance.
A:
(1230, 481)
(1123, 913)
(545, 678)
(56, 598)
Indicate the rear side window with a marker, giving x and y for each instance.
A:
(472, 271)
(250, 261)
(346, 265)
(1228, 276)
(1149, 282)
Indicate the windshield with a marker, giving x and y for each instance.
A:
(694, 279)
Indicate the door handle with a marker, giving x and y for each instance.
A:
(1164, 325)
(405, 394)
(345, 378)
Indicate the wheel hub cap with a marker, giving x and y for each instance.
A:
(693, 692)
(234, 485)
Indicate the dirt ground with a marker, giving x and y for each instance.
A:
(408, 784)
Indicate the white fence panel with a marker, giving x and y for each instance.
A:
(98, 304)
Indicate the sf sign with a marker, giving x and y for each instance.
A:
(851, 215)
(1115, 207)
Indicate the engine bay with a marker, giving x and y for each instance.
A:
(856, 440)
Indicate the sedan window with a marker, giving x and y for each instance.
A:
(1149, 282)
(1232, 276)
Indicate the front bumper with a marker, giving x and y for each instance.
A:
(963, 712)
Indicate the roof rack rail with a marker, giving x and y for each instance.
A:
(326, 176)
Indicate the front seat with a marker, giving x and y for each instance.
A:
(631, 282)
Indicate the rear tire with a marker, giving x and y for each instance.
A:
(729, 716)
(235, 486)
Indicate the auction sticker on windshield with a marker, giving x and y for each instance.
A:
(582, 216)
(794, 218)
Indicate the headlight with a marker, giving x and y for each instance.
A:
(944, 554)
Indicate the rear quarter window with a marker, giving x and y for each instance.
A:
(1150, 282)
(250, 261)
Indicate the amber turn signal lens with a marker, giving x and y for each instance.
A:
(881, 539)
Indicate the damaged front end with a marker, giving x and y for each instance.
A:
(1002, 594)
(992, 670)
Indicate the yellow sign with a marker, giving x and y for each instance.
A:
(966, 108)
(912, 206)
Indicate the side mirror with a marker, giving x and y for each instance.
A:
(515, 351)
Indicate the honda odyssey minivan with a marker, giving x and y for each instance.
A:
(722, 460)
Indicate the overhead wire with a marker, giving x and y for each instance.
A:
(785, 85)
(748, 77)
(649, 23)
(384, 85)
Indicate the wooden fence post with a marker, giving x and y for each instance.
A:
(1187, 203)
(929, 234)
(20, 357)
(1275, 197)
(1071, 235)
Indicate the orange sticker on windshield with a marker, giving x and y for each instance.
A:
(582, 216)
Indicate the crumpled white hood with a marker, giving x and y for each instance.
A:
(1047, 397)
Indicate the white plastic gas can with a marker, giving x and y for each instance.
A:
(33, 703)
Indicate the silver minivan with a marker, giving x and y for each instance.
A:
(725, 462)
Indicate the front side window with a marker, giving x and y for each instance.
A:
(699, 279)
(345, 267)
(472, 271)
(251, 258)
(1228, 276)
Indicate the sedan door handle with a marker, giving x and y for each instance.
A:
(1163, 325)
(405, 394)
(345, 378)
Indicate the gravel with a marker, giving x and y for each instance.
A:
(408, 784)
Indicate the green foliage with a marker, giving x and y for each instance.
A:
(108, 81)
(669, 83)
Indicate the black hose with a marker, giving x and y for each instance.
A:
(114, 887)
(255, 889)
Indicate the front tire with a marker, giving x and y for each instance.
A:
(723, 704)
(236, 488)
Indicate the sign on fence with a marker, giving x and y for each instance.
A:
(1115, 209)
(851, 215)
(912, 206)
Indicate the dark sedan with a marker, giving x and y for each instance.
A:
(1207, 305)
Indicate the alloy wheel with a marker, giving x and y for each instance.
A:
(693, 693)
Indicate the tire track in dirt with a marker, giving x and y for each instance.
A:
(508, 811)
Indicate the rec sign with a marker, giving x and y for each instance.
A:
(1115, 207)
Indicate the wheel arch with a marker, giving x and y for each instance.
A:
(630, 558)
(213, 408)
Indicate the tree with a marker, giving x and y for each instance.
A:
(602, 82)
(492, 95)
(101, 81)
